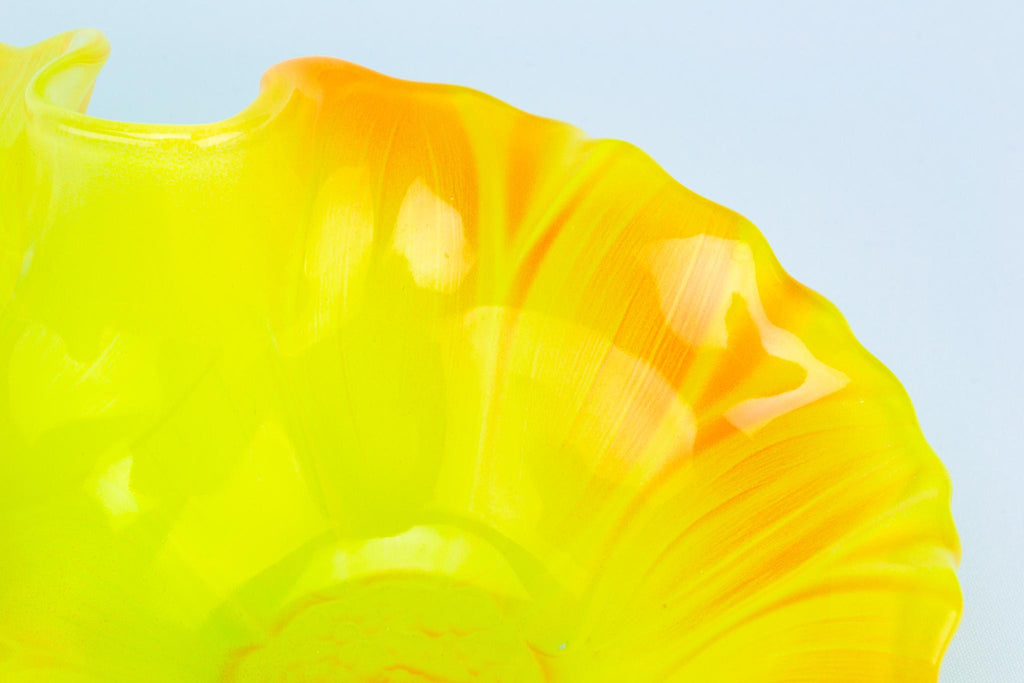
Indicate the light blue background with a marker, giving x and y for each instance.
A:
(878, 145)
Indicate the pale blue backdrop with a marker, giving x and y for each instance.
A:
(878, 145)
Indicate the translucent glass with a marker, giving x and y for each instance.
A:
(390, 381)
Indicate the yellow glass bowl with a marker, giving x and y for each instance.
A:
(390, 381)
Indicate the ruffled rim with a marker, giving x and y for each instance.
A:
(58, 92)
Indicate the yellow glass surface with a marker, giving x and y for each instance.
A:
(390, 381)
